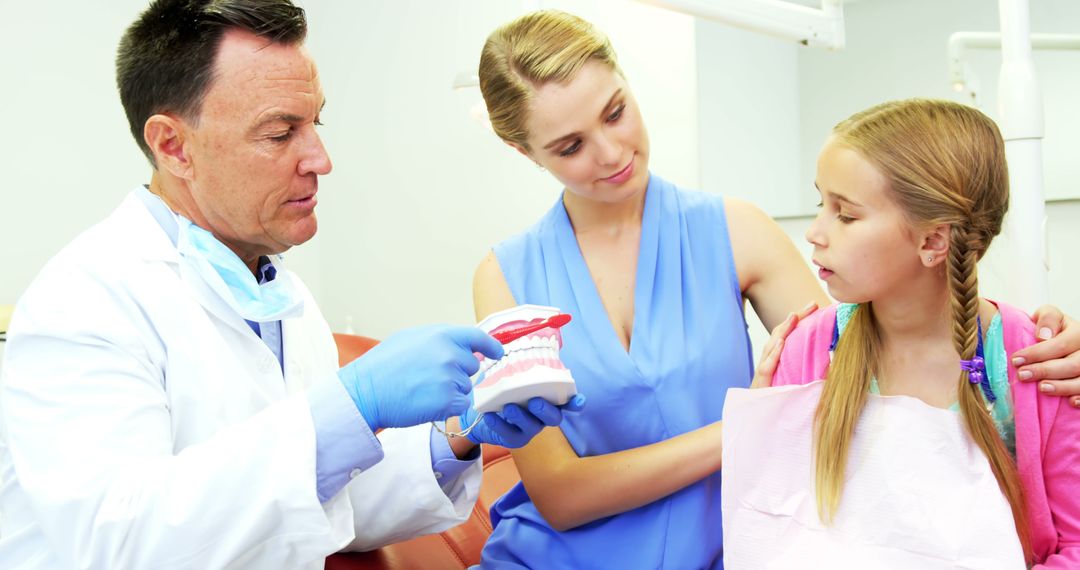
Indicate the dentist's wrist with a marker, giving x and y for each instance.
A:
(461, 446)
(362, 393)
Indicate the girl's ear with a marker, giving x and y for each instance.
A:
(935, 245)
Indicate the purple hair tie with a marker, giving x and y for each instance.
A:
(976, 368)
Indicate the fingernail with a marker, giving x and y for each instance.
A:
(1025, 374)
(1045, 334)
(1018, 360)
(1046, 387)
(808, 307)
(1076, 402)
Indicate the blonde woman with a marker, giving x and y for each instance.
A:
(912, 193)
(656, 278)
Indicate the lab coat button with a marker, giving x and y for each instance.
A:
(354, 473)
(438, 474)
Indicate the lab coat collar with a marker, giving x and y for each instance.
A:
(148, 238)
(149, 235)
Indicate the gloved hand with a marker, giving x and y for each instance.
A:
(417, 375)
(516, 426)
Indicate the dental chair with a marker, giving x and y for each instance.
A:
(455, 548)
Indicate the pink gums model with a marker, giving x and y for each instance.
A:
(540, 348)
(531, 366)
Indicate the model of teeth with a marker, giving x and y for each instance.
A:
(530, 367)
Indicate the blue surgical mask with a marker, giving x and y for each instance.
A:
(228, 276)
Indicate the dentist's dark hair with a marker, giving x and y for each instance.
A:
(165, 62)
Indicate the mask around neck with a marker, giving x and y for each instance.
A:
(227, 275)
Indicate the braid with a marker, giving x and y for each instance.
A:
(965, 248)
(963, 283)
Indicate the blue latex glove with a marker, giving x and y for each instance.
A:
(516, 426)
(417, 375)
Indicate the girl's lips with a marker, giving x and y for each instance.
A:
(823, 273)
(622, 175)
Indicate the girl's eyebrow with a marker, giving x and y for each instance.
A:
(837, 196)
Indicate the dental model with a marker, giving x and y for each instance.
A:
(531, 366)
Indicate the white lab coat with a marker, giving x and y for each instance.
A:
(146, 426)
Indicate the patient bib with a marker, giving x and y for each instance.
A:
(919, 492)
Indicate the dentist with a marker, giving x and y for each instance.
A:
(171, 391)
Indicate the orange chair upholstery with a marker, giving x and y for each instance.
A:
(452, 549)
(352, 346)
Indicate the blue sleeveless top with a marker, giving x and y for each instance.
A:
(688, 345)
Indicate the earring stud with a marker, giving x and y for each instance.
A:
(929, 259)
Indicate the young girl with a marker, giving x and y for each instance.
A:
(912, 193)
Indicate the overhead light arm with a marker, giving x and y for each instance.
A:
(816, 27)
(960, 75)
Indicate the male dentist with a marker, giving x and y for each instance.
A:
(171, 391)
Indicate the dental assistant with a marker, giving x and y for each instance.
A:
(171, 391)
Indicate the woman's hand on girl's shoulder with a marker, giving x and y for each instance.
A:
(770, 355)
(1054, 361)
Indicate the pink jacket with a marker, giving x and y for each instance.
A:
(1047, 433)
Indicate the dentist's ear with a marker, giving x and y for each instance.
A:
(935, 245)
(165, 135)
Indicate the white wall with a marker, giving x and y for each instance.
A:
(748, 111)
(66, 156)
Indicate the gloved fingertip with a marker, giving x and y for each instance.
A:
(576, 403)
(494, 350)
(512, 413)
(537, 405)
(548, 414)
(474, 339)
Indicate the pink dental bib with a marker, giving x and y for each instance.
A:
(918, 493)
